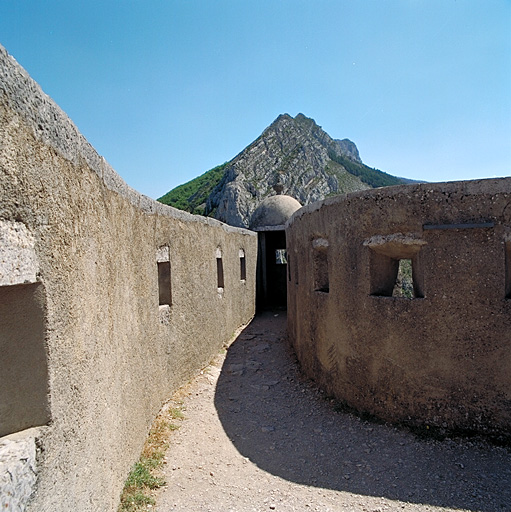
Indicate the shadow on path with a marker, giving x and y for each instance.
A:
(285, 425)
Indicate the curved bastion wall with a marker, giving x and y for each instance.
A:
(439, 359)
(109, 301)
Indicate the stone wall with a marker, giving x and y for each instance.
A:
(18, 469)
(440, 359)
(110, 300)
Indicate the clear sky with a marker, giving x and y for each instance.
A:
(167, 89)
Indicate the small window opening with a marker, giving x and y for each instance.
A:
(403, 286)
(280, 257)
(243, 266)
(164, 279)
(396, 266)
(393, 277)
(220, 272)
(165, 292)
(507, 246)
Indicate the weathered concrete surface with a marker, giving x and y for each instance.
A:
(18, 469)
(440, 361)
(108, 358)
(18, 262)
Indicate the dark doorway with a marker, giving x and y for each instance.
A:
(272, 270)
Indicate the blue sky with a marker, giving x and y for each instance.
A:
(166, 90)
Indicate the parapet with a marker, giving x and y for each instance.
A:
(109, 301)
(399, 302)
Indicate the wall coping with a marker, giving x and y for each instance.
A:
(467, 187)
(52, 126)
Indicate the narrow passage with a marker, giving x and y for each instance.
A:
(259, 437)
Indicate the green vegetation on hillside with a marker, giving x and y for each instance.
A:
(372, 177)
(191, 197)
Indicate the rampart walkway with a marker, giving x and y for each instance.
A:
(258, 437)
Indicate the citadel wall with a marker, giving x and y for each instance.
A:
(438, 360)
(109, 300)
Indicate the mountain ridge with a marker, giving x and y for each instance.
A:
(295, 153)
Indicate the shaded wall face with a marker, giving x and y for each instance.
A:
(440, 357)
(23, 365)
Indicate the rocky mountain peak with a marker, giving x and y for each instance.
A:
(293, 154)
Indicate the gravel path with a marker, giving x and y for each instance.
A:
(259, 437)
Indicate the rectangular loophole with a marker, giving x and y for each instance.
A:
(396, 265)
(243, 266)
(220, 273)
(164, 286)
(395, 277)
(321, 281)
(507, 246)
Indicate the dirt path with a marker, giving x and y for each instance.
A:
(259, 437)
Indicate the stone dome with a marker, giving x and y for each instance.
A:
(274, 212)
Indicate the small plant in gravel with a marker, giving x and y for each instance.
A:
(176, 413)
(136, 495)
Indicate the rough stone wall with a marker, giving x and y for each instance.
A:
(438, 360)
(111, 352)
(18, 469)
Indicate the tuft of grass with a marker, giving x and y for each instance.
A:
(176, 413)
(143, 477)
(137, 501)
